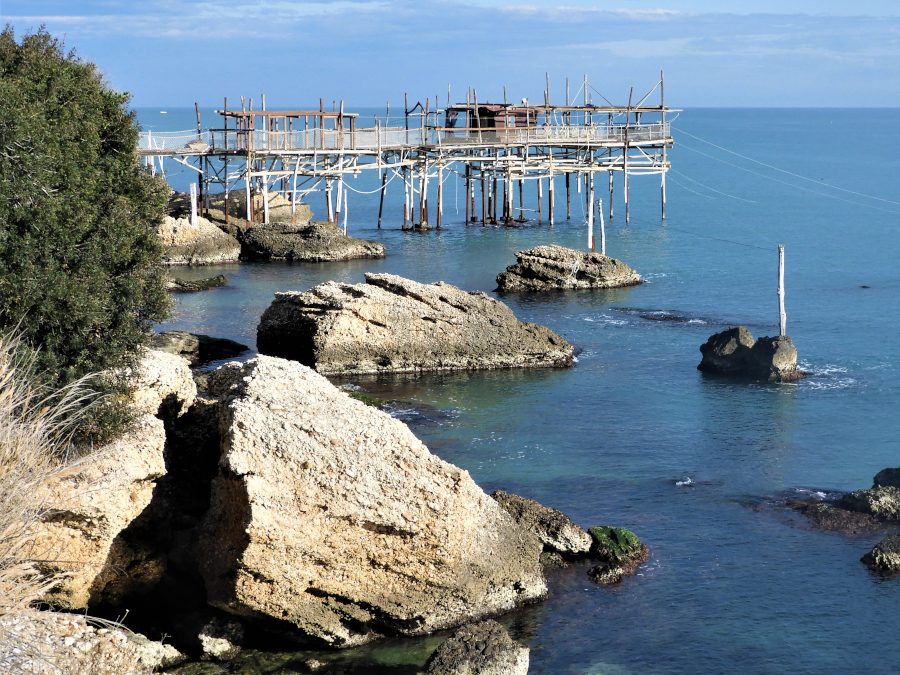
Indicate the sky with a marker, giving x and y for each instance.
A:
(770, 53)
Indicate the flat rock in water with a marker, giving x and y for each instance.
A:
(392, 324)
(553, 267)
(479, 649)
(735, 353)
(195, 285)
(330, 516)
(200, 243)
(196, 348)
(314, 242)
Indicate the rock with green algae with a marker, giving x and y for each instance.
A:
(885, 555)
(620, 553)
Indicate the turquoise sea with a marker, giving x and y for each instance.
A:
(633, 434)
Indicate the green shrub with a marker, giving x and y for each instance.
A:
(80, 278)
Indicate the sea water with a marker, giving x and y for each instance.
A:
(633, 434)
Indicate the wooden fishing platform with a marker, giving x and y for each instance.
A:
(495, 148)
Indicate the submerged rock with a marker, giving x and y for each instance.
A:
(885, 555)
(199, 244)
(858, 511)
(556, 530)
(553, 267)
(332, 517)
(479, 649)
(734, 352)
(620, 553)
(196, 348)
(394, 324)
(315, 242)
(195, 285)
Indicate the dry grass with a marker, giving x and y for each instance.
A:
(36, 426)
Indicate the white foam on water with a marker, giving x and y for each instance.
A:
(685, 481)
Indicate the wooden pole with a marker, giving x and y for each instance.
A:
(610, 193)
(782, 314)
(540, 197)
(568, 180)
(551, 200)
(194, 204)
(249, 204)
(521, 200)
(602, 228)
(265, 192)
(381, 198)
(345, 206)
(340, 198)
(590, 213)
(483, 194)
(440, 196)
(468, 192)
(329, 209)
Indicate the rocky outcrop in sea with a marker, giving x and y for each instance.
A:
(330, 516)
(392, 324)
(200, 243)
(483, 648)
(734, 352)
(555, 267)
(316, 241)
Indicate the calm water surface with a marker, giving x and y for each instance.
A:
(731, 585)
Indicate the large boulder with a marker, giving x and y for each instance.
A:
(734, 352)
(331, 516)
(479, 649)
(88, 508)
(394, 324)
(198, 349)
(555, 530)
(553, 267)
(314, 242)
(882, 502)
(200, 243)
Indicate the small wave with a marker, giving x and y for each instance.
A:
(826, 377)
(349, 386)
(687, 480)
(811, 494)
(701, 322)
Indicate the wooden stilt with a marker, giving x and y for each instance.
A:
(540, 198)
(590, 221)
(662, 193)
(568, 186)
(249, 204)
(483, 194)
(551, 202)
(194, 204)
(610, 195)
(381, 198)
(468, 181)
(265, 196)
(406, 200)
(602, 228)
(782, 314)
(329, 209)
(521, 200)
(440, 196)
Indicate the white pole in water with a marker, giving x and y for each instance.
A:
(193, 204)
(602, 228)
(590, 217)
(266, 197)
(345, 211)
(782, 315)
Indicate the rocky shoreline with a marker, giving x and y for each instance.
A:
(268, 501)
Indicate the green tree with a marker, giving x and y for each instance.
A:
(79, 260)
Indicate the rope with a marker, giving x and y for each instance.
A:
(712, 189)
(791, 185)
(789, 173)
